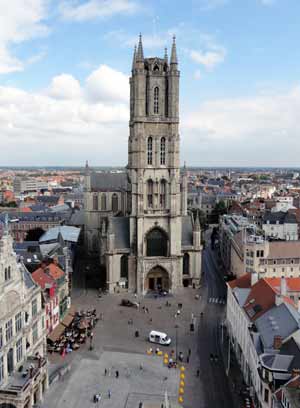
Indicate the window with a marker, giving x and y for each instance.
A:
(103, 202)
(18, 321)
(115, 203)
(124, 267)
(1, 338)
(157, 243)
(95, 202)
(1, 369)
(186, 264)
(156, 99)
(150, 193)
(162, 198)
(8, 330)
(34, 308)
(163, 150)
(149, 150)
(266, 396)
(7, 273)
(34, 333)
(19, 347)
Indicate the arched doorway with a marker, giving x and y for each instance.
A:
(157, 243)
(157, 279)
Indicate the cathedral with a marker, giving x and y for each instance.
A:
(137, 221)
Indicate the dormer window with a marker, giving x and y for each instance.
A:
(156, 68)
(156, 100)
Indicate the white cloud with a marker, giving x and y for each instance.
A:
(107, 84)
(67, 122)
(19, 21)
(64, 86)
(210, 58)
(262, 130)
(95, 9)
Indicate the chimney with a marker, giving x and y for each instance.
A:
(254, 278)
(283, 287)
(277, 342)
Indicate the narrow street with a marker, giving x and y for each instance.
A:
(217, 392)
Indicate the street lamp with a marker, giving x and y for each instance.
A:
(176, 342)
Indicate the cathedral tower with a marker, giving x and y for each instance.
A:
(153, 166)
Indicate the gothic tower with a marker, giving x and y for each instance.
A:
(154, 172)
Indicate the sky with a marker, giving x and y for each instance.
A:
(65, 64)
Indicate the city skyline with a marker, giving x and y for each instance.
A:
(64, 70)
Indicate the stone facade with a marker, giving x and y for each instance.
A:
(154, 244)
(23, 366)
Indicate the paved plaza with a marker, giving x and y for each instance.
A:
(141, 378)
(116, 348)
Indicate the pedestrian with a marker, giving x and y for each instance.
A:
(117, 374)
(198, 373)
(109, 394)
(150, 320)
(141, 367)
(188, 359)
(105, 372)
(190, 352)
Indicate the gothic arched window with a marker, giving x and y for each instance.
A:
(157, 243)
(150, 193)
(115, 203)
(156, 98)
(149, 150)
(162, 199)
(103, 202)
(95, 202)
(163, 150)
(186, 264)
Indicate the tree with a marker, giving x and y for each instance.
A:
(34, 234)
(220, 209)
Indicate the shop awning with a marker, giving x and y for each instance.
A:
(56, 333)
(67, 320)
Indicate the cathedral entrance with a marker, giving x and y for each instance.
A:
(157, 279)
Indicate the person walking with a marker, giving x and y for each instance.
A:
(105, 372)
(190, 352)
(109, 394)
(117, 374)
(188, 359)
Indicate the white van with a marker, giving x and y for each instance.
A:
(159, 338)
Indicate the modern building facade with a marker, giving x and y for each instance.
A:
(154, 243)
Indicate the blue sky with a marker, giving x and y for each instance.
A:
(64, 68)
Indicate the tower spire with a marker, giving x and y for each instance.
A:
(140, 52)
(134, 57)
(174, 52)
(166, 54)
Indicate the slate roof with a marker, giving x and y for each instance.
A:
(108, 181)
(187, 231)
(291, 348)
(29, 282)
(277, 361)
(282, 320)
(241, 295)
(77, 218)
(279, 217)
(50, 200)
(120, 227)
(68, 233)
